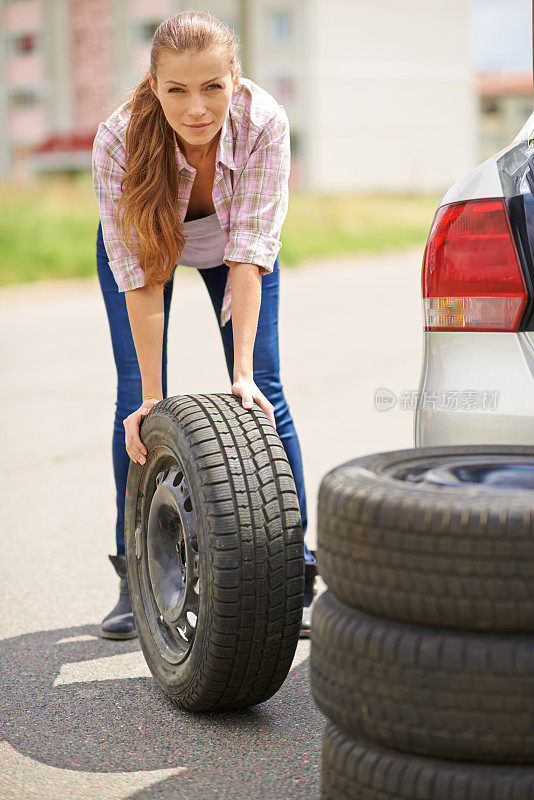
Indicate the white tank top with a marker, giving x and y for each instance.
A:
(204, 244)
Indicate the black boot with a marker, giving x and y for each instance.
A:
(119, 623)
(310, 593)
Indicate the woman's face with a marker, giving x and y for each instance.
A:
(194, 88)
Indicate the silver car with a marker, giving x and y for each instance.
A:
(477, 378)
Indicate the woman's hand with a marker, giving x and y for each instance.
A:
(249, 392)
(134, 446)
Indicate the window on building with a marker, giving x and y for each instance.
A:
(284, 88)
(147, 29)
(281, 26)
(490, 105)
(23, 98)
(294, 142)
(23, 44)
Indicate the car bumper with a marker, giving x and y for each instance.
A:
(476, 388)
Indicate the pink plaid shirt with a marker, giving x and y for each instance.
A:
(250, 188)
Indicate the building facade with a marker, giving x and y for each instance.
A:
(506, 101)
(376, 100)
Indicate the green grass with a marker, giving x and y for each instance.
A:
(48, 227)
(330, 225)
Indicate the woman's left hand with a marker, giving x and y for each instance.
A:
(249, 393)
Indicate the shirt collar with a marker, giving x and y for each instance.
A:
(225, 149)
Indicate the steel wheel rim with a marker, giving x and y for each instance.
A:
(483, 472)
(168, 567)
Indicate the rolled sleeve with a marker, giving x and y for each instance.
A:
(108, 172)
(127, 275)
(261, 197)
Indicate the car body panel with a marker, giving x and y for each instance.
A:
(456, 363)
(483, 181)
(461, 367)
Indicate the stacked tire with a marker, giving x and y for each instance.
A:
(422, 654)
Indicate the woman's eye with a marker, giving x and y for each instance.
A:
(177, 88)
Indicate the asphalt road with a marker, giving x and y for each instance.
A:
(82, 717)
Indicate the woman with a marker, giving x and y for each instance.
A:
(192, 169)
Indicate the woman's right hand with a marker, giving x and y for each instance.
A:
(134, 446)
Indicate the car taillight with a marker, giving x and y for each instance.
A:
(471, 277)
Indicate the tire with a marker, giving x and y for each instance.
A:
(359, 770)
(399, 539)
(432, 691)
(215, 552)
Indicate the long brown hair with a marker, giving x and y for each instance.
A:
(150, 187)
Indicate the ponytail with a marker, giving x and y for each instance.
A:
(150, 188)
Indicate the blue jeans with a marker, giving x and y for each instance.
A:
(129, 387)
